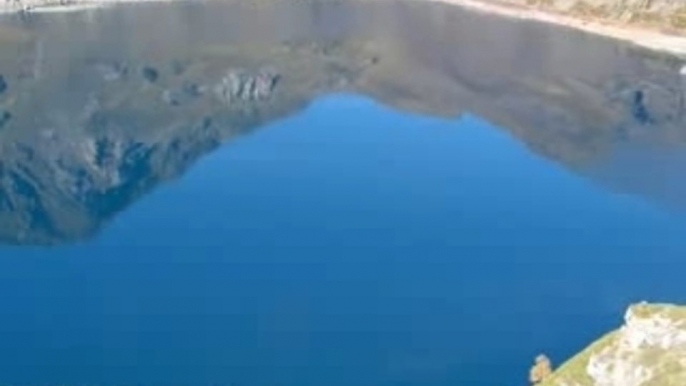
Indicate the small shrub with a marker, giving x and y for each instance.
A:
(541, 369)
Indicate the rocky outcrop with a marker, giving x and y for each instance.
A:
(65, 172)
(648, 350)
(243, 86)
(541, 369)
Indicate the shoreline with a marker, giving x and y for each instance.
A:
(642, 37)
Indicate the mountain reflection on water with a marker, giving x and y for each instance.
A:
(91, 120)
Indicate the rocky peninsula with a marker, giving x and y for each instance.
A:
(648, 350)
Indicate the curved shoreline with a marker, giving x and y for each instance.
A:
(642, 37)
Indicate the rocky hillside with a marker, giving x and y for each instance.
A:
(91, 120)
(648, 350)
(665, 15)
(668, 15)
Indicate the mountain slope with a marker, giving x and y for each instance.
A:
(96, 119)
(668, 15)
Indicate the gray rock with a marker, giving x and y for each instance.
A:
(186, 93)
(171, 97)
(112, 71)
(192, 90)
(3, 85)
(243, 86)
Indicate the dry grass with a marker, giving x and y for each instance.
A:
(586, 10)
(668, 368)
(574, 370)
(678, 18)
(645, 310)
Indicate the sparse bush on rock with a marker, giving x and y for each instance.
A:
(541, 369)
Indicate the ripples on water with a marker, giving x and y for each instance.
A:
(335, 193)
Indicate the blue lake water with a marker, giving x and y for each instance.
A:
(349, 244)
(352, 241)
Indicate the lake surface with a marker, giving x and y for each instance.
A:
(326, 193)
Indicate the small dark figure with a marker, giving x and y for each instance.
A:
(206, 123)
(150, 74)
(5, 117)
(191, 90)
(638, 108)
(3, 84)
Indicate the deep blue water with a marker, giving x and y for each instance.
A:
(348, 244)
